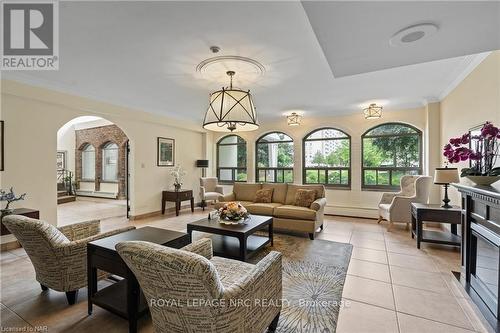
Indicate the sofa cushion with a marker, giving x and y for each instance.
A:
(279, 191)
(304, 198)
(264, 195)
(245, 192)
(292, 189)
(295, 212)
(262, 208)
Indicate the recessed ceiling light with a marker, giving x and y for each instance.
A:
(413, 33)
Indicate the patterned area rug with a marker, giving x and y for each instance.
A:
(313, 279)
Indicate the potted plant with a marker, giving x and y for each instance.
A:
(9, 197)
(178, 175)
(482, 150)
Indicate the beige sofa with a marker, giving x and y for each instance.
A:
(285, 214)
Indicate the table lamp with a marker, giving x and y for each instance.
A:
(446, 176)
(202, 164)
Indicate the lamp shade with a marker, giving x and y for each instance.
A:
(444, 176)
(202, 163)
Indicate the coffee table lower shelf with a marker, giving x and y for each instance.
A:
(114, 299)
(229, 247)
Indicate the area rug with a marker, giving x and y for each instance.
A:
(313, 279)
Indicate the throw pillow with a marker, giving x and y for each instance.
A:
(304, 198)
(264, 195)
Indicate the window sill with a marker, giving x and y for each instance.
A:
(109, 181)
(378, 189)
(87, 180)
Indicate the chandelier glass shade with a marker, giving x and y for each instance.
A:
(373, 111)
(293, 119)
(231, 110)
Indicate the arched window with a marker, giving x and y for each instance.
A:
(274, 158)
(232, 159)
(110, 162)
(390, 151)
(327, 158)
(88, 162)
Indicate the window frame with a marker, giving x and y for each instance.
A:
(274, 169)
(349, 168)
(234, 170)
(390, 187)
(82, 151)
(103, 149)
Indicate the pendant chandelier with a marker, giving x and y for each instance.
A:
(373, 111)
(230, 110)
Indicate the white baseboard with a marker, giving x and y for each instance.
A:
(352, 211)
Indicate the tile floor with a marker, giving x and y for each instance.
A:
(87, 208)
(391, 286)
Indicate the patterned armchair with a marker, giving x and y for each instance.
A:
(395, 207)
(59, 255)
(209, 190)
(188, 290)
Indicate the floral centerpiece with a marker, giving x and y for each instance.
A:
(233, 211)
(481, 149)
(9, 197)
(178, 173)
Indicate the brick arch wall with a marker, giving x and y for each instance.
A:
(98, 137)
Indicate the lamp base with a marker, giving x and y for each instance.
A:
(446, 200)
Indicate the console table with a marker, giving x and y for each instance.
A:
(32, 213)
(177, 197)
(421, 213)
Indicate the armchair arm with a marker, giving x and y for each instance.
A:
(81, 230)
(219, 189)
(318, 204)
(228, 197)
(387, 197)
(400, 209)
(264, 280)
(202, 192)
(203, 247)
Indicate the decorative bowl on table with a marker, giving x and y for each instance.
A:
(233, 213)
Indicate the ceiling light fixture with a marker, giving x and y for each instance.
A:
(373, 111)
(293, 119)
(413, 33)
(231, 110)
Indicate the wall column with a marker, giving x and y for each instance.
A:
(432, 147)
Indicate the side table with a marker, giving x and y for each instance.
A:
(32, 213)
(178, 197)
(421, 213)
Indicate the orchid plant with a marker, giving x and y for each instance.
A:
(178, 173)
(482, 150)
(10, 197)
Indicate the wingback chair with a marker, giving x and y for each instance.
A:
(395, 207)
(189, 291)
(59, 255)
(209, 190)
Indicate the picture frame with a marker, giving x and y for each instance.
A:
(2, 139)
(61, 160)
(165, 152)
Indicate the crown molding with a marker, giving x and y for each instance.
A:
(468, 64)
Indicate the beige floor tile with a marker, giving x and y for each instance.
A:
(475, 317)
(368, 243)
(10, 321)
(412, 324)
(419, 279)
(412, 262)
(369, 291)
(377, 236)
(341, 238)
(404, 248)
(430, 305)
(369, 270)
(358, 317)
(362, 253)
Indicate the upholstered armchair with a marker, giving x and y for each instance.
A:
(209, 190)
(395, 207)
(188, 290)
(59, 255)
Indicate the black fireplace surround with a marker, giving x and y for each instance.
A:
(481, 248)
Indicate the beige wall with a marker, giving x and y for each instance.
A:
(33, 116)
(475, 100)
(344, 202)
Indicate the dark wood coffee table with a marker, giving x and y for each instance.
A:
(123, 298)
(235, 241)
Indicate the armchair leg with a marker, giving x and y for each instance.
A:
(379, 219)
(311, 236)
(274, 323)
(321, 227)
(72, 296)
(203, 204)
(44, 288)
